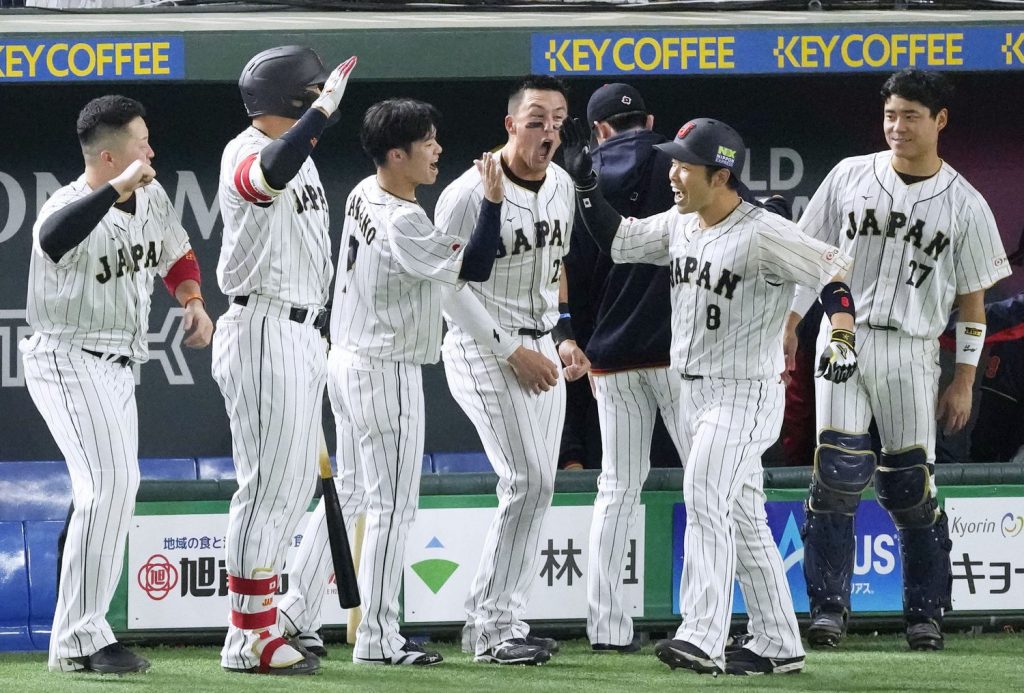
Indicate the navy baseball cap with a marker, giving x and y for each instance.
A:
(707, 142)
(612, 100)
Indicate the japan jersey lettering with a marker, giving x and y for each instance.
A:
(914, 247)
(276, 242)
(522, 291)
(98, 295)
(731, 284)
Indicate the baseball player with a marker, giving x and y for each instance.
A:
(97, 245)
(919, 235)
(393, 273)
(517, 405)
(732, 267)
(275, 265)
(628, 347)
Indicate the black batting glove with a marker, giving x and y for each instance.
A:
(576, 151)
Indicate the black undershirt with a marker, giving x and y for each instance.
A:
(531, 185)
(910, 180)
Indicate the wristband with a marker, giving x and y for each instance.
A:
(970, 339)
(563, 328)
(193, 297)
(843, 337)
(836, 298)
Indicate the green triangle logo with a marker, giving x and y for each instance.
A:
(435, 572)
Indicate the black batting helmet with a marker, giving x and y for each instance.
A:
(274, 82)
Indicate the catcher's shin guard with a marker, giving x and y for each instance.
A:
(828, 560)
(843, 467)
(927, 573)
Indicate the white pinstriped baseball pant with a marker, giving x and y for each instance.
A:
(732, 422)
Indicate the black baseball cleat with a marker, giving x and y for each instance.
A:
(827, 628)
(743, 662)
(411, 654)
(115, 658)
(549, 644)
(309, 642)
(679, 653)
(736, 642)
(925, 636)
(514, 651)
(631, 647)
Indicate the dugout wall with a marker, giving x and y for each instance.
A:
(801, 87)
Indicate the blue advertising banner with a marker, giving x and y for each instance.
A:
(779, 51)
(92, 59)
(877, 571)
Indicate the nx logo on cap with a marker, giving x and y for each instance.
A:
(685, 130)
(725, 156)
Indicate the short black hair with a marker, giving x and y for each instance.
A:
(627, 121)
(105, 115)
(733, 183)
(396, 123)
(540, 82)
(932, 89)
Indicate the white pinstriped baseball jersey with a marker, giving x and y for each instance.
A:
(522, 291)
(276, 243)
(393, 268)
(732, 284)
(914, 247)
(97, 296)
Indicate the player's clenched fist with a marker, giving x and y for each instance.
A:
(575, 361)
(137, 175)
(839, 359)
(334, 87)
(489, 167)
(534, 370)
(576, 150)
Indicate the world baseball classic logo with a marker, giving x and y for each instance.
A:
(158, 577)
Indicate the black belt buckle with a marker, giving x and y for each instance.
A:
(534, 334)
(884, 328)
(122, 361)
(240, 300)
(687, 376)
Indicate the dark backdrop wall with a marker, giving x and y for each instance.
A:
(795, 127)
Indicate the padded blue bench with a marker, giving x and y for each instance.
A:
(34, 490)
(41, 541)
(13, 589)
(168, 468)
(215, 468)
(460, 462)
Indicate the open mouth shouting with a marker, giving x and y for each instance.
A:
(546, 146)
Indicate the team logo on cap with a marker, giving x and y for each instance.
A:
(725, 156)
(626, 101)
(685, 130)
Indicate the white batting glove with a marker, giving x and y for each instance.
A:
(839, 358)
(334, 87)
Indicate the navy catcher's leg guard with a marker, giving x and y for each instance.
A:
(927, 573)
(843, 466)
(828, 560)
(903, 487)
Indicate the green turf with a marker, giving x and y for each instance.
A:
(991, 662)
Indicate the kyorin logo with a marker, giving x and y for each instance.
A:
(1012, 526)
(435, 572)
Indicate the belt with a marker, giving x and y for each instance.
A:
(687, 376)
(535, 334)
(295, 314)
(122, 361)
(886, 328)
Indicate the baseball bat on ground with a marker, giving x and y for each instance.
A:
(355, 615)
(341, 553)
